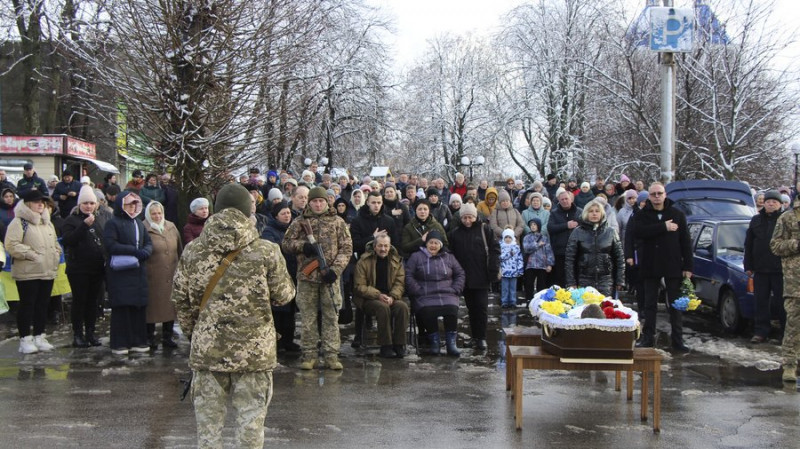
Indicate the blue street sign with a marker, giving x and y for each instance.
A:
(671, 29)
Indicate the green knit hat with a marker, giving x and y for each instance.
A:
(317, 192)
(233, 195)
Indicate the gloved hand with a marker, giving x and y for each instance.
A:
(2, 265)
(142, 255)
(309, 250)
(329, 277)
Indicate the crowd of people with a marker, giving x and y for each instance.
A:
(394, 246)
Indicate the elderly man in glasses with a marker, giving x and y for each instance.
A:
(665, 252)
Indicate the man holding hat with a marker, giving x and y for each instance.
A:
(318, 292)
(66, 194)
(765, 267)
(30, 180)
(233, 344)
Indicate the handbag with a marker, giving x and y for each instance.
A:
(121, 262)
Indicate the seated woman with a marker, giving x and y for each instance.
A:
(434, 280)
(594, 253)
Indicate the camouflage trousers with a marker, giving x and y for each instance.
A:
(315, 299)
(791, 335)
(250, 394)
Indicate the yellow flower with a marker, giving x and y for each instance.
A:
(553, 307)
(593, 297)
(564, 295)
(693, 303)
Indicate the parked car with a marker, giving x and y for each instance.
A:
(718, 214)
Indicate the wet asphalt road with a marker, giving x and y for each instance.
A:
(725, 393)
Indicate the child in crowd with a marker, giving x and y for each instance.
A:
(511, 266)
(539, 258)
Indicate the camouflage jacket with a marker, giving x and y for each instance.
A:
(235, 332)
(330, 231)
(785, 243)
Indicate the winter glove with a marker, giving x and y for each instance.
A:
(329, 277)
(142, 255)
(1, 265)
(309, 250)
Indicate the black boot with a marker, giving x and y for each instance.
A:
(78, 341)
(387, 352)
(151, 336)
(434, 342)
(166, 335)
(400, 350)
(91, 338)
(450, 342)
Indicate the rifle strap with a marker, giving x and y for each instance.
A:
(223, 266)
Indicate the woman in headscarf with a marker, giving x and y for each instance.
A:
(8, 200)
(31, 241)
(82, 236)
(196, 219)
(161, 267)
(124, 235)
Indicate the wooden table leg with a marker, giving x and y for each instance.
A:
(509, 372)
(518, 393)
(618, 381)
(645, 387)
(657, 397)
(629, 379)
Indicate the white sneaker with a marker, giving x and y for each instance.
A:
(120, 351)
(26, 345)
(41, 342)
(140, 349)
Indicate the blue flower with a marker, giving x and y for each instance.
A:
(549, 295)
(681, 303)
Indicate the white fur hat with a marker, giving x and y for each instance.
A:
(87, 195)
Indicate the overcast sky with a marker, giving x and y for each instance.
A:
(419, 20)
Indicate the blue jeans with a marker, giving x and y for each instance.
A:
(508, 291)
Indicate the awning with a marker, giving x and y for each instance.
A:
(105, 166)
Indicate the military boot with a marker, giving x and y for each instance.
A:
(332, 362)
(790, 373)
(308, 362)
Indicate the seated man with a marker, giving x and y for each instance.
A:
(379, 285)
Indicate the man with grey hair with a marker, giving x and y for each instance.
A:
(563, 219)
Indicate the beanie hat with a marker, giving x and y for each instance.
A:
(546, 201)
(86, 180)
(536, 195)
(317, 192)
(434, 235)
(278, 207)
(99, 194)
(233, 196)
(197, 203)
(630, 193)
(560, 191)
(272, 173)
(536, 221)
(455, 197)
(773, 195)
(274, 194)
(291, 181)
(642, 196)
(785, 198)
(585, 185)
(365, 188)
(468, 209)
(87, 195)
(508, 233)
(551, 176)
(503, 196)
(307, 173)
(54, 178)
(624, 178)
(432, 191)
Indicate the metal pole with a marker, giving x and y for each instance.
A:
(667, 113)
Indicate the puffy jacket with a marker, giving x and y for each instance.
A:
(192, 228)
(540, 213)
(511, 264)
(83, 245)
(127, 287)
(509, 218)
(538, 256)
(235, 332)
(758, 258)
(484, 207)
(594, 254)
(32, 243)
(434, 280)
(441, 212)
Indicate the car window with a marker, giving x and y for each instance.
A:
(715, 207)
(705, 238)
(730, 238)
(694, 229)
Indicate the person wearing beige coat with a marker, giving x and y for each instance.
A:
(31, 241)
(505, 216)
(161, 266)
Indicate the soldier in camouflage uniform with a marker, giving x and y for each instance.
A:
(233, 342)
(785, 243)
(317, 291)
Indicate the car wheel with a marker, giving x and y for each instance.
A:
(729, 314)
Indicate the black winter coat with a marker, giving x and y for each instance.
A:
(274, 232)
(365, 224)
(758, 258)
(126, 287)
(595, 256)
(400, 220)
(83, 245)
(557, 227)
(662, 253)
(468, 246)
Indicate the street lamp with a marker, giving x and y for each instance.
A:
(465, 162)
(795, 147)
